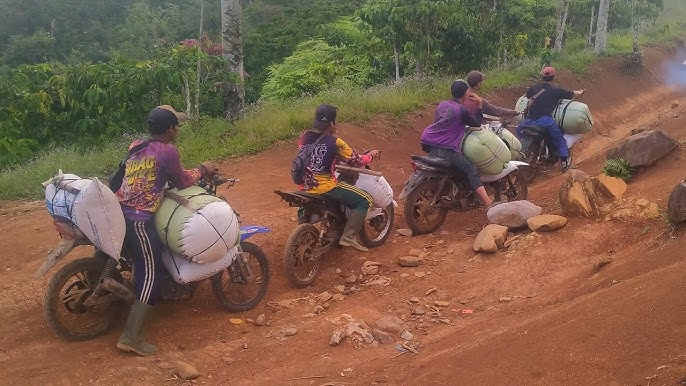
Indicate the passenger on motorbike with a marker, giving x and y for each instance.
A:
(148, 169)
(474, 80)
(320, 178)
(544, 97)
(443, 138)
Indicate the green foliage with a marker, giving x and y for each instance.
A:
(617, 167)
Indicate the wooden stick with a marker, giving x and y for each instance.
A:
(359, 170)
(310, 377)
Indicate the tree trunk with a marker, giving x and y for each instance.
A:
(396, 59)
(636, 28)
(198, 75)
(232, 51)
(601, 31)
(590, 28)
(561, 24)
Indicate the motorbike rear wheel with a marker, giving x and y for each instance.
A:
(301, 261)
(421, 216)
(64, 301)
(244, 283)
(512, 187)
(376, 230)
(532, 156)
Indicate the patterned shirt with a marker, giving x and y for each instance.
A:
(319, 176)
(147, 173)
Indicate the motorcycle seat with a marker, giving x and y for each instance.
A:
(300, 197)
(432, 161)
(532, 129)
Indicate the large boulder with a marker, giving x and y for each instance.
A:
(644, 149)
(513, 214)
(490, 239)
(583, 195)
(676, 208)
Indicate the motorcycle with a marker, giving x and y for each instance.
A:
(86, 296)
(321, 222)
(539, 152)
(435, 188)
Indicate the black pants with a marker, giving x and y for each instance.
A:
(459, 162)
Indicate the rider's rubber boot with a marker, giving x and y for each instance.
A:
(354, 223)
(132, 338)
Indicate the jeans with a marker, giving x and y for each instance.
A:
(554, 133)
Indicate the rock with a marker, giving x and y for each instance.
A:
(513, 214)
(289, 331)
(370, 263)
(404, 275)
(340, 288)
(186, 371)
(324, 296)
(652, 211)
(638, 130)
(414, 300)
(337, 337)
(338, 297)
(409, 261)
(406, 335)
(236, 322)
(405, 232)
(420, 274)
(415, 252)
(676, 208)
(505, 299)
(391, 324)
(441, 303)
(381, 336)
(370, 270)
(644, 149)
(357, 332)
(419, 311)
(612, 186)
(546, 222)
(675, 104)
(318, 310)
(261, 320)
(352, 279)
(490, 239)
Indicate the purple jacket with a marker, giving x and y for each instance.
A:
(448, 129)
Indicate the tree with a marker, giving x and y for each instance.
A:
(387, 25)
(562, 15)
(232, 51)
(601, 31)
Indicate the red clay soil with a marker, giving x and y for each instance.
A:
(595, 303)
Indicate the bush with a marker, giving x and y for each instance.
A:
(617, 167)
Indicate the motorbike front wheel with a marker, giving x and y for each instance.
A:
(244, 283)
(65, 301)
(421, 214)
(376, 230)
(532, 156)
(301, 260)
(512, 187)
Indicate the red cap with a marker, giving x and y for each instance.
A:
(548, 71)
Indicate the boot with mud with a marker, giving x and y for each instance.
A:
(132, 340)
(352, 226)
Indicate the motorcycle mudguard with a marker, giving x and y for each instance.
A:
(415, 179)
(509, 168)
(64, 247)
(251, 230)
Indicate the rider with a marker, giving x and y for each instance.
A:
(474, 80)
(443, 138)
(544, 97)
(147, 172)
(320, 178)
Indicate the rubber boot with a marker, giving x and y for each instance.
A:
(132, 338)
(355, 222)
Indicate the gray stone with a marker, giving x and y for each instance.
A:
(676, 208)
(391, 324)
(406, 335)
(381, 336)
(513, 214)
(644, 149)
(409, 261)
(261, 320)
(186, 371)
(337, 337)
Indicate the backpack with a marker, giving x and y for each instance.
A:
(301, 160)
(115, 179)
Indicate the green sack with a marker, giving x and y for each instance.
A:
(486, 151)
(573, 117)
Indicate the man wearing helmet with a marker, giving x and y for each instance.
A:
(543, 98)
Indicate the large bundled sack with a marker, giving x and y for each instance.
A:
(573, 117)
(377, 187)
(486, 151)
(90, 206)
(184, 271)
(204, 229)
(510, 140)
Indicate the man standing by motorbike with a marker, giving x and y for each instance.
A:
(543, 98)
(474, 80)
(320, 178)
(443, 138)
(150, 166)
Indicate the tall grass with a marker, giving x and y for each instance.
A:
(209, 138)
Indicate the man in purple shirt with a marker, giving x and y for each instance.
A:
(148, 170)
(443, 138)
